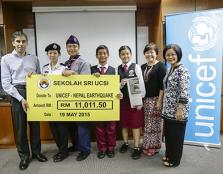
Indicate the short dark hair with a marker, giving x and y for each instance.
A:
(176, 48)
(53, 47)
(151, 46)
(124, 47)
(18, 33)
(100, 47)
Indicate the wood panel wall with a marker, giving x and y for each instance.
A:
(6, 125)
(16, 17)
(1, 13)
(152, 17)
(179, 6)
(158, 29)
(139, 3)
(208, 4)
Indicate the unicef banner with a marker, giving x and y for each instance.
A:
(200, 36)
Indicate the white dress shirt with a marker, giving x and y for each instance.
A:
(14, 70)
(105, 66)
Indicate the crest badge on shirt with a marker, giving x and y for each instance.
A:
(131, 73)
(44, 83)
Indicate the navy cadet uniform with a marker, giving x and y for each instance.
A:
(82, 134)
(59, 129)
(58, 69)
(105, 131)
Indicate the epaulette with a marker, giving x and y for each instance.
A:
(46, 65)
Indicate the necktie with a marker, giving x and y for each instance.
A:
(125, 68)
(102, 70)
(69, 62)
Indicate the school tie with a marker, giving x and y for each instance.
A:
(102, 70)
(125, 68)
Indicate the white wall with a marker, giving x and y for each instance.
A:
(31, 49)
(142, 40)
(92, 28)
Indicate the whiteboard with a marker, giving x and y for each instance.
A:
(92, 28)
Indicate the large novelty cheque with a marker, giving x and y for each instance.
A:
(74, 98)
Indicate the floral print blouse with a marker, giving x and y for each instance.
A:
(176, 90)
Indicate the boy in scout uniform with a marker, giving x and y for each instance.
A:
(75, 66)
(15, 67)
(59, 129)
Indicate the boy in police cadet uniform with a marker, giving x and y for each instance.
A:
(105, 131)
(75, 66)
(59, 129)
(15, 67)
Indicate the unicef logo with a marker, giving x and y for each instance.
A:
(203, 33)
(44, 83)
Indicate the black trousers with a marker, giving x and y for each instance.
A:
(174, 140)
(20, 121)
(60, 133)
(72, 131)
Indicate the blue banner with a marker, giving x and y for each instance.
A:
(200, 35)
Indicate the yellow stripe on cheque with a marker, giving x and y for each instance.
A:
(74, 98)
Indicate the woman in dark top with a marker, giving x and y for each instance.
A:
(153, 74)
(175, 105)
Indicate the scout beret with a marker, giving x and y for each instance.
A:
(53, 46)
(72, 40)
